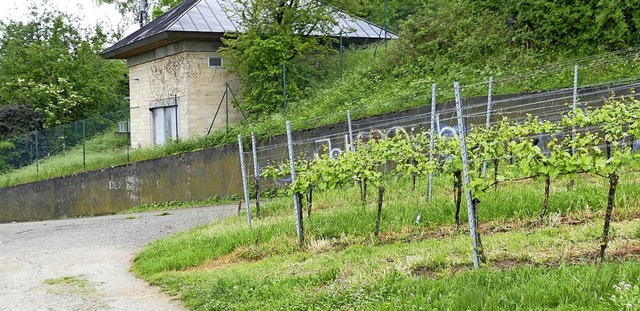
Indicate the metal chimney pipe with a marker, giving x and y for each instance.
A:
(143, 14)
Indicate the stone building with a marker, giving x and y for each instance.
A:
(177, 79)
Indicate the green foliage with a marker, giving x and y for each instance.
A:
(51, 64)
(584, 26)
(18, 119)
(390, 13)
(5, 156)
(277, 34)
(163, 6)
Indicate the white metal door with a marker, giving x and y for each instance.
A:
(165, 125)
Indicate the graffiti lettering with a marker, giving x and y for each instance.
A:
(115, 185)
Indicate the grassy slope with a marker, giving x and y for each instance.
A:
(342, 266)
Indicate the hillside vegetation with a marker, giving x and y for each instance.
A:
(442, 42)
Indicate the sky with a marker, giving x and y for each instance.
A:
(88, 12)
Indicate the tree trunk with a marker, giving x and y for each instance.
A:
(363, 192)
(457, 195)
(413, 186)
(309, 201)
(545, 202)
(380, 198)
(481, 256)
(300, 218)
(611, 202)
(257, 199)
(413, 176)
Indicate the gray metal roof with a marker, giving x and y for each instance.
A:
(211, 19)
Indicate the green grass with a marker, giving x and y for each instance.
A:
(146, 207)
(81, 282)
(71, 285)
(226, 266)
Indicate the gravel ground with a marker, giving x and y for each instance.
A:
(83, 263)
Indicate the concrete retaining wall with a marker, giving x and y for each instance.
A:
(186, 177)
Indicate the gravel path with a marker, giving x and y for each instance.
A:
(83, 264)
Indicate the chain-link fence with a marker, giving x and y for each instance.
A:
(31, 148)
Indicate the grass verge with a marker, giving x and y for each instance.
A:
(531, 266)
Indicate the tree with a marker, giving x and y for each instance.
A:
(132, 7)
(289, 33)
(18, 119)
(163, 6)
(52, 65)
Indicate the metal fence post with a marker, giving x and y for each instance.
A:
(244, 180)
(465, 171)
(128, 141)
(432, 136)
(296, 202)
(488, 124)
(175, 102)
(350, 130)
(341, 55)
(226, 96)
(574, 103)
(256, 173)
(84, 146)
(38, 156)
(284, 87)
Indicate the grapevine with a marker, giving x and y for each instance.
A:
(600, 147)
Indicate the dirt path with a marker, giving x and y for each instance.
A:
(83, 264)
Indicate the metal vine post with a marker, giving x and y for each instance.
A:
(243, 169)
(296, 201)
(466, 180)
